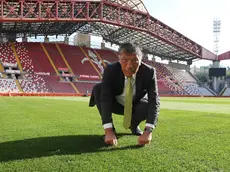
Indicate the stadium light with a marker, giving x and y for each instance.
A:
(216, 34)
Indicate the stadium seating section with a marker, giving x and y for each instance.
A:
(8, 85)
(40, 63)
(227, 92)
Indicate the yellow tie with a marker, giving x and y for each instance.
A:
(128, 104)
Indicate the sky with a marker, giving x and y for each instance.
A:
(194, 19)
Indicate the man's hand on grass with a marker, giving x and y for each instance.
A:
(110, 137)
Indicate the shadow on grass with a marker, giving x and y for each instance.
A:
(57, 145)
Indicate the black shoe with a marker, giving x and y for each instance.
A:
(136, 130)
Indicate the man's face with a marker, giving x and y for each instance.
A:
(129, 63)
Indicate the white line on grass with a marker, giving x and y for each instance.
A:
(198, 107)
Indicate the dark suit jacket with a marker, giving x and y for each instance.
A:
(113, 85)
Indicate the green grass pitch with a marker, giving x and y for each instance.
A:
(63, 134)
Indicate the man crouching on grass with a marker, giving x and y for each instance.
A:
(129, 88)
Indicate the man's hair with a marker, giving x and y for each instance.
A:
(131, 48)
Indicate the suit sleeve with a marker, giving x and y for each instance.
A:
(106, 97)
(153, 100)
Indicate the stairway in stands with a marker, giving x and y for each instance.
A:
(57, 61)
(19, 66)
(2, 70)
(67, 65)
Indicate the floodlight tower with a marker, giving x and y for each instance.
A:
(216, 35)
(216, 63)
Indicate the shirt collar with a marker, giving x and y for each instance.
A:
(134, 77)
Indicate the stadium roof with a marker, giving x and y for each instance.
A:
(117, 21)
(224, 56)
(133, 4)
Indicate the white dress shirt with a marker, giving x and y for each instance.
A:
(121, 100)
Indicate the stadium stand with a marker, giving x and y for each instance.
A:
(8, 85)
(164, 89)
(6, 54)
(164, 76)
(55, 55)
(32, 83)
(40, 63)
(188, 83)
(227, 92)
(78, 61)
(84, 87)
(58, 87)
(108, 56)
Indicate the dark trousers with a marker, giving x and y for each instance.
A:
(139, 111)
